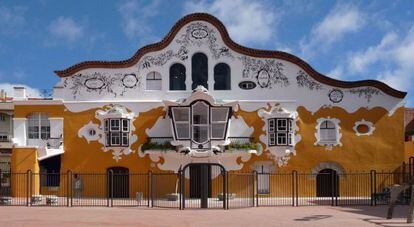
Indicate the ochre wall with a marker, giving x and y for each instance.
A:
(24, 159)
(383, 150)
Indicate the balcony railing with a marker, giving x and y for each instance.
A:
(51, 143)
(158, 144)
(5, 138)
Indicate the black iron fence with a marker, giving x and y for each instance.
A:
(198, 186)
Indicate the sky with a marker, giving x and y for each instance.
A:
(346, 40)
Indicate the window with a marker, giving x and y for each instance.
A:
(117, 132)
(177, 77)
(219, 117)
(222, 77)
(2, 117)
(327, 131)
(199, 69)
(154, 81)
(280, 132)
(181, 117)
(247, 85)
(200, 122)
(263, 179)
(38, 126)
(3, 138)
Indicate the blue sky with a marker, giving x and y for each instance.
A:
(347, 40)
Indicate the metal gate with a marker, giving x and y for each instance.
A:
(203, 185)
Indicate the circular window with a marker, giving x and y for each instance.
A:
(363, 128)
(92, 132)
(247, 85)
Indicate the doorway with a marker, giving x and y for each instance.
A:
(327, 183)
(119, 182)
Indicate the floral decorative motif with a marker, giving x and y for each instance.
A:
(96, 82)
(268, 73)
(304, 80)
(336, 95)
(196, 34)
(368, 92)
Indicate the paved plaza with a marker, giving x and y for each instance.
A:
(261, 216)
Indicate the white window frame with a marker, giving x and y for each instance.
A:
(153, 76)
(205, 125)
(219, 122)
(119, 132)
(338, 134)
(278, 128)
(181, 122)
(39, 121)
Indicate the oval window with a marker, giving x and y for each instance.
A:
(362, 129)
(247, 85)
(92, 132)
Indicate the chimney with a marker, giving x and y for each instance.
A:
(2, 95)
(19, 93)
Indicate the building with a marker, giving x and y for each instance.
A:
(6, 131)
(199, 97)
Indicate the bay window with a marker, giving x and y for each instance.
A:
(117, 132)
(200, 123)
(280, 132)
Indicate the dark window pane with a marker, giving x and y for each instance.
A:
(222, 77)
(177, 77)
(199, 68)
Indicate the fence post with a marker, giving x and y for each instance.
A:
(373, 188)
(226, 193)
(108, 178)
(1, 174)
(180, 196)
(182, 186)
(253, 194)
(256, 190)
(68, 187)
(28, 187)
(152, 189)
(111, 172)
(294, 187)
(332, 188)
(148, 187)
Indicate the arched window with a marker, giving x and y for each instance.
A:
(327, 131)
(222, 77)
(199, 69)
(177, 77)
(154, 81)
(38, 126)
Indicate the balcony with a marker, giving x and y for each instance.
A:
(5, 138)
(237, 144)
(47, 147)
(241, 144)
(158, 144)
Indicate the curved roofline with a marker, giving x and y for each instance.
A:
(235, 47)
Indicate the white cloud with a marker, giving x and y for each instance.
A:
(359, 61)
(11, 19)
(8, 88)
(401, 76)
(389, 61)
(247, 21)
(337, 72)
(340, 21)
(135, 18)
(66, 28)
